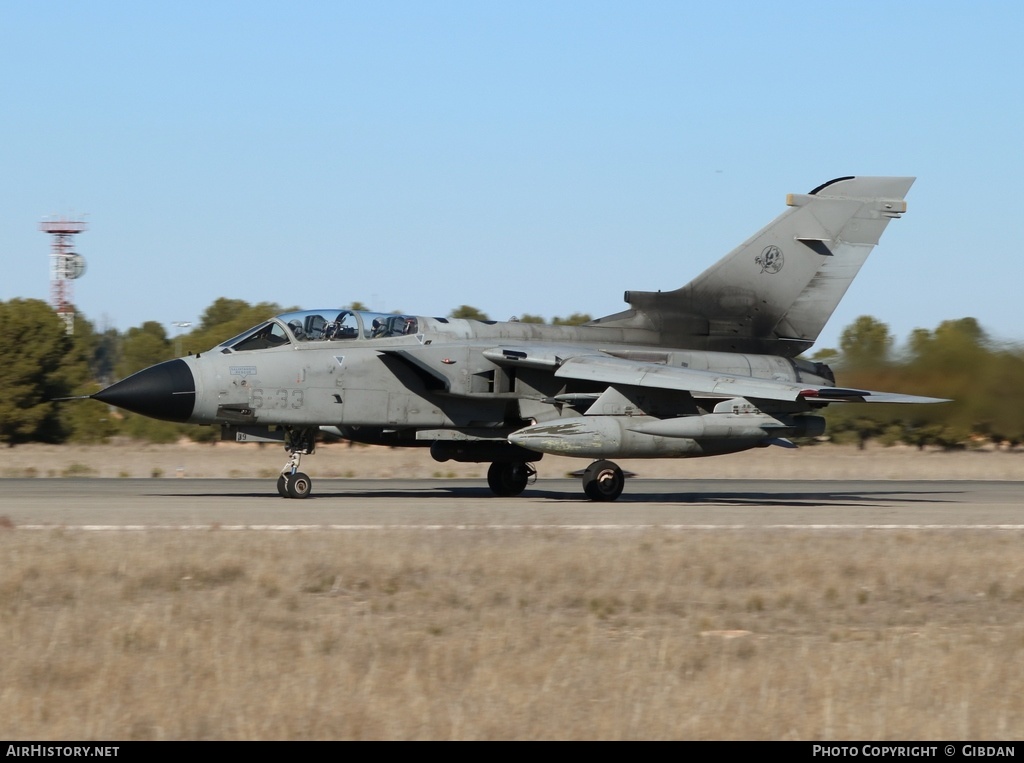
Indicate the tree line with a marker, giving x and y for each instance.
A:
(40, 362)
(957, 360)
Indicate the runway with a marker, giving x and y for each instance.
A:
(338, 504)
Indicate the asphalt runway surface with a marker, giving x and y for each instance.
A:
(101, 504)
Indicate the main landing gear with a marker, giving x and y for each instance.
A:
(602, 480)
(508, 478)
(292, 483)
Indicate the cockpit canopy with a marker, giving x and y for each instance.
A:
(322, 326)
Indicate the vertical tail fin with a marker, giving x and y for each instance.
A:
(775, 292)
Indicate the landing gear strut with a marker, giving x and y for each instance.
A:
(508, 478)
(603, 481)
(292, 483)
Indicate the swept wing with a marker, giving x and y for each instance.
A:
(614, 371)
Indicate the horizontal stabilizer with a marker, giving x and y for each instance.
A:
(840, 395)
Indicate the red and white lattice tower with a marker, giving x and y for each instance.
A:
(65, 266)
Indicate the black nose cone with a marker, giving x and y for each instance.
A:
(165, 391)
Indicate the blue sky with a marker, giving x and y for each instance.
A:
(521, 157)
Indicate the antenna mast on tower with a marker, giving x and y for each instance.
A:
(65, 266)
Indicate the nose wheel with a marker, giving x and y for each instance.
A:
(603, 481)
(297, 485)
(292, 483)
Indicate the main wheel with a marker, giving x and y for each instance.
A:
(603, 481)
(282, 486)
(508, 479)
(299, 485)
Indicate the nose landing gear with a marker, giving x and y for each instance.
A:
(292, 483)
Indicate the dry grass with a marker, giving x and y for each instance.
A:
(465, 634)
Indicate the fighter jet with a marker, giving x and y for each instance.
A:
(705, 369)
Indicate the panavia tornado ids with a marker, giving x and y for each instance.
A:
(703, 370)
